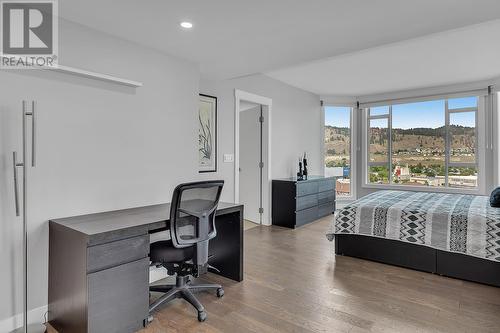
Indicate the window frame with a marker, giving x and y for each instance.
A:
(369, 164)
(479, 164)
(353, 147)
(448, 163)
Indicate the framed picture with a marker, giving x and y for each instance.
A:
(207, 134)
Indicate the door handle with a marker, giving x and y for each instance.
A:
(15, 164)
(33, 134)
(32, 113)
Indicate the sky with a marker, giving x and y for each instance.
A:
(429, 114)
(338, 116)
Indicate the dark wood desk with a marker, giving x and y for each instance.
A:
(99, 265)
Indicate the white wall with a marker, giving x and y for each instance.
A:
(295, 125)
(100, 146)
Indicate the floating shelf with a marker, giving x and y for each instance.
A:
(95, 76)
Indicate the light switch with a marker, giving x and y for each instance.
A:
(228, 158)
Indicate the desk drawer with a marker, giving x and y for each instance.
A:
(116, 253)
(118, 298)
(306, 202)
(306, 188)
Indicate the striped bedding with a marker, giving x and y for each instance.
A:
(450, 222)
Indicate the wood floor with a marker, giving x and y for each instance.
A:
(294, 283)
(247, 225)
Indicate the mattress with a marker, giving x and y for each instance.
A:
(458, 223)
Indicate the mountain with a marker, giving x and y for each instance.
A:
(337, 139)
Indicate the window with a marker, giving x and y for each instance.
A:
(418, 143)
(430, 143)
(338, 147)
(462, 141)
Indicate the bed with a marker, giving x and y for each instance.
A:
(455, 235)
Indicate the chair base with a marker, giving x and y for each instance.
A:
(183, 289)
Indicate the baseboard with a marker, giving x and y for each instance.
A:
(157, 273)
(38, 315)
(34, 316)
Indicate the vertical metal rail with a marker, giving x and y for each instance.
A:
(25, 229)
(16, 164)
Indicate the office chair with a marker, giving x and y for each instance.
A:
(192, 217)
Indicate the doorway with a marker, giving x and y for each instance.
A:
(252, 157)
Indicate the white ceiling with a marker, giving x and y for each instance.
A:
(233, 38)
(458, 56)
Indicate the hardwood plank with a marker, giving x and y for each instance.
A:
(294, 283)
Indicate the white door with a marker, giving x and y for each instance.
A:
(250, 157)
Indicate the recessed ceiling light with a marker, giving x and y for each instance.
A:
(186, 25)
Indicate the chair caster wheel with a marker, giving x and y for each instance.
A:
(220, 292)
(202, 316)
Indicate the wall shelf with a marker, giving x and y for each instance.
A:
(95, 76)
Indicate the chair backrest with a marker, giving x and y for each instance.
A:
(192, 216)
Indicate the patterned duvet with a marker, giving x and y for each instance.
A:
(450, 222)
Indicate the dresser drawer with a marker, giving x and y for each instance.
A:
(306, 188)
(326, 185)
(326, 209)
(305, 216)
(325, 197)
(118, 298)
(116, 253)
(306, 201)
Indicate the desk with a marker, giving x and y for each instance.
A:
(99, 265)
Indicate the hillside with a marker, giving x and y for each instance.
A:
(407, 143)
(337, 140)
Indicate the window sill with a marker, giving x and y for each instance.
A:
(452, 190)
(342, 199)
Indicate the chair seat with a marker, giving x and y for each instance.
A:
(165, 252)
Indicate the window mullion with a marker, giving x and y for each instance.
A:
(463, 165)
(368, 134)
(461, 110)
(447, 148)
(389, 144)
(480, 175)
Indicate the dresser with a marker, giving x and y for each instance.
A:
(298, 202)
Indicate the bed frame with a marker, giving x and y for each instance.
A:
(419, 257)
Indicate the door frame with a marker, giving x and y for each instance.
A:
(240, 95)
